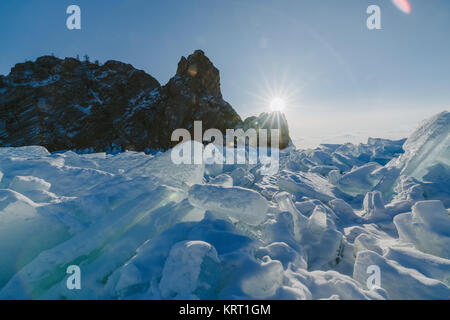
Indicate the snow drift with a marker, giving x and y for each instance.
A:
(141, 227)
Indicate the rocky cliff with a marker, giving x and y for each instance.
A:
(69, 104)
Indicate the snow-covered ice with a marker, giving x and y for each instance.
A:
(242, 204)
(141, 227)
(427, 227)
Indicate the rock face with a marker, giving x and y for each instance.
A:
(66, 104)
(192, 94)
(273, 120)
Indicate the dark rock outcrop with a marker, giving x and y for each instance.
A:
(193, 94)
(273, 120)
(66, 104)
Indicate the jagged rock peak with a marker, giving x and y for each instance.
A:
(272, 120)
(200, 73)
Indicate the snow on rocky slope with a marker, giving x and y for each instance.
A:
(141, 227)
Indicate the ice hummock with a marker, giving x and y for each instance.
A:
(141, 227)
(427, 146)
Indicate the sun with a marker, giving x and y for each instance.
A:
(277, 104)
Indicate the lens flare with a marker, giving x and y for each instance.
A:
(403, 5)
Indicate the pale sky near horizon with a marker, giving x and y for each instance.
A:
(341, 81)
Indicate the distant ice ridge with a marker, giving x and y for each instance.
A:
(141, 227)
(427, 146)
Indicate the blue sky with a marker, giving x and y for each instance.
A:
(341, 80)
